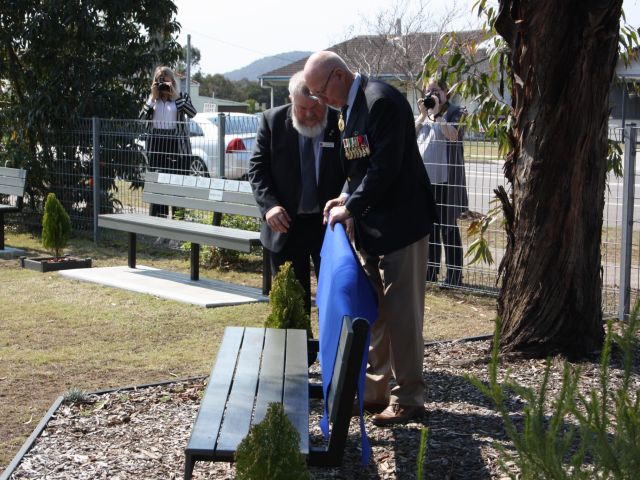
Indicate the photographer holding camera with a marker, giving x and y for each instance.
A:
(168, 142)
(439, 136)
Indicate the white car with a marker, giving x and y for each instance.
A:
(240, 133)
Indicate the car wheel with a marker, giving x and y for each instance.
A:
(197, 168)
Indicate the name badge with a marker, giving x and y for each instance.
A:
(326, 144)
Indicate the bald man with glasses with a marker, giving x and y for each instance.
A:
(391, 203)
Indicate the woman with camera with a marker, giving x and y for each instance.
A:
(440, 143)
(168, 143)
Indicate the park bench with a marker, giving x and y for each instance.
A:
(198, 193)
(12, 182)
(257, 366)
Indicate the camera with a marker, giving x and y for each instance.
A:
(162, 85)
(429, 100)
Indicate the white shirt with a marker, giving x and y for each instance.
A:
(165, 114)
(433, 148)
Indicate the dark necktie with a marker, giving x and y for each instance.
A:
(309, 201)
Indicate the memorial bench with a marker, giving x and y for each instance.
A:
(257, 366)
(12, 182)
(197, 193)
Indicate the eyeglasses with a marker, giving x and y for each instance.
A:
(321, 93)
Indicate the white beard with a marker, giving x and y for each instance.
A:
(310, 132)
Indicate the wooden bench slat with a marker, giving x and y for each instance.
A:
(13, 172)
(237, 418)
(199, 233)
(204, 434)
(271, 381)
(200, 204)
(296, 389)
(6, 182)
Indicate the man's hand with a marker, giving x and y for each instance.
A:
(338, 214)
(278, 219)
(330, 204)
(349, 227)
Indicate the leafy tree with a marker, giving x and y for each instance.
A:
(56, 226)
(60, 61)
(195, 59)
(557, 60)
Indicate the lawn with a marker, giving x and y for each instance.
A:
(57, 333)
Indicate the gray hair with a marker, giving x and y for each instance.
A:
(297, 85)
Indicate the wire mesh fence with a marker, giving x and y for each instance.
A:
(99, 165)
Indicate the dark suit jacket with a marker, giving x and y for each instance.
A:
(391, 198)
(274, 169)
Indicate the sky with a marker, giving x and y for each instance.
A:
(232, 34)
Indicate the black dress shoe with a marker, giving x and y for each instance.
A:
(396, 414)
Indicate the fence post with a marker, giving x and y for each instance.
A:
(222, 130)
(628, 182)
(95, 127)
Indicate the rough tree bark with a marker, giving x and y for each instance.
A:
(562, 57)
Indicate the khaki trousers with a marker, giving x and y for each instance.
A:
(397, 346)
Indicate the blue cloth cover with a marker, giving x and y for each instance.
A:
(343, 289)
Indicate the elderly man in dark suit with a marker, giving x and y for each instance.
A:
(294, 170)
(391, 203)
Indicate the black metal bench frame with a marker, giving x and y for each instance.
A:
(225, 198)
(12, 182)
(242, 384)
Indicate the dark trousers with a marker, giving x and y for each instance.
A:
(303, 243)
(449, 236)
(164, 156)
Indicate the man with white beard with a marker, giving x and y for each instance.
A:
(295, 169)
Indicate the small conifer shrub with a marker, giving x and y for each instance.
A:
(287, 302)
(271, 450)
(56, 226)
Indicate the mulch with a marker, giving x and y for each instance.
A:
(141, 433)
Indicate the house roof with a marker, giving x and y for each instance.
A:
(381, 56)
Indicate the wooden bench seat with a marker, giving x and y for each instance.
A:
(196, 193)
(257, 366)
(12, 182)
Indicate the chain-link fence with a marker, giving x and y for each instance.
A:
(98, 167)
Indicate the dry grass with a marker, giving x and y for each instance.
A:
(57, 333)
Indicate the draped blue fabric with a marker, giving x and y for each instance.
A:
(343, 289)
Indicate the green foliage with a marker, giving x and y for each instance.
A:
(75, 395)
(287, 302)
(61, 61)
(596, 435)
(56, 226)
(271, 450)
(422, 453)
(222, 258)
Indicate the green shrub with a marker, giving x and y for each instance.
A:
(287, 302)
(56, 226)
(271, 450)
(596, 435)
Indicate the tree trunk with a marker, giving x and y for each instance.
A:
(562, 56)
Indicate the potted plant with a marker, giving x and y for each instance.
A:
(56, 229)
(287, 306)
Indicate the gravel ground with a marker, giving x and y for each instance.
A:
(141, 434)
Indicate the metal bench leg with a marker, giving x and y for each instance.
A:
(195, 261)
(132, 250)
(188, 467)
(1, 231)
(266, 271)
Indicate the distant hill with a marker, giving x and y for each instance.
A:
(266, 64)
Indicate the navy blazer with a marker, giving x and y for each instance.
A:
(390, 192)
(274, 168)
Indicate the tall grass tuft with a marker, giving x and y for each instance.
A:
(573, 435)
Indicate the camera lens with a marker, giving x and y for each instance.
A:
(429, 102)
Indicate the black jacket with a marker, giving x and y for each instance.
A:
(391, 198)
(274, 170)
